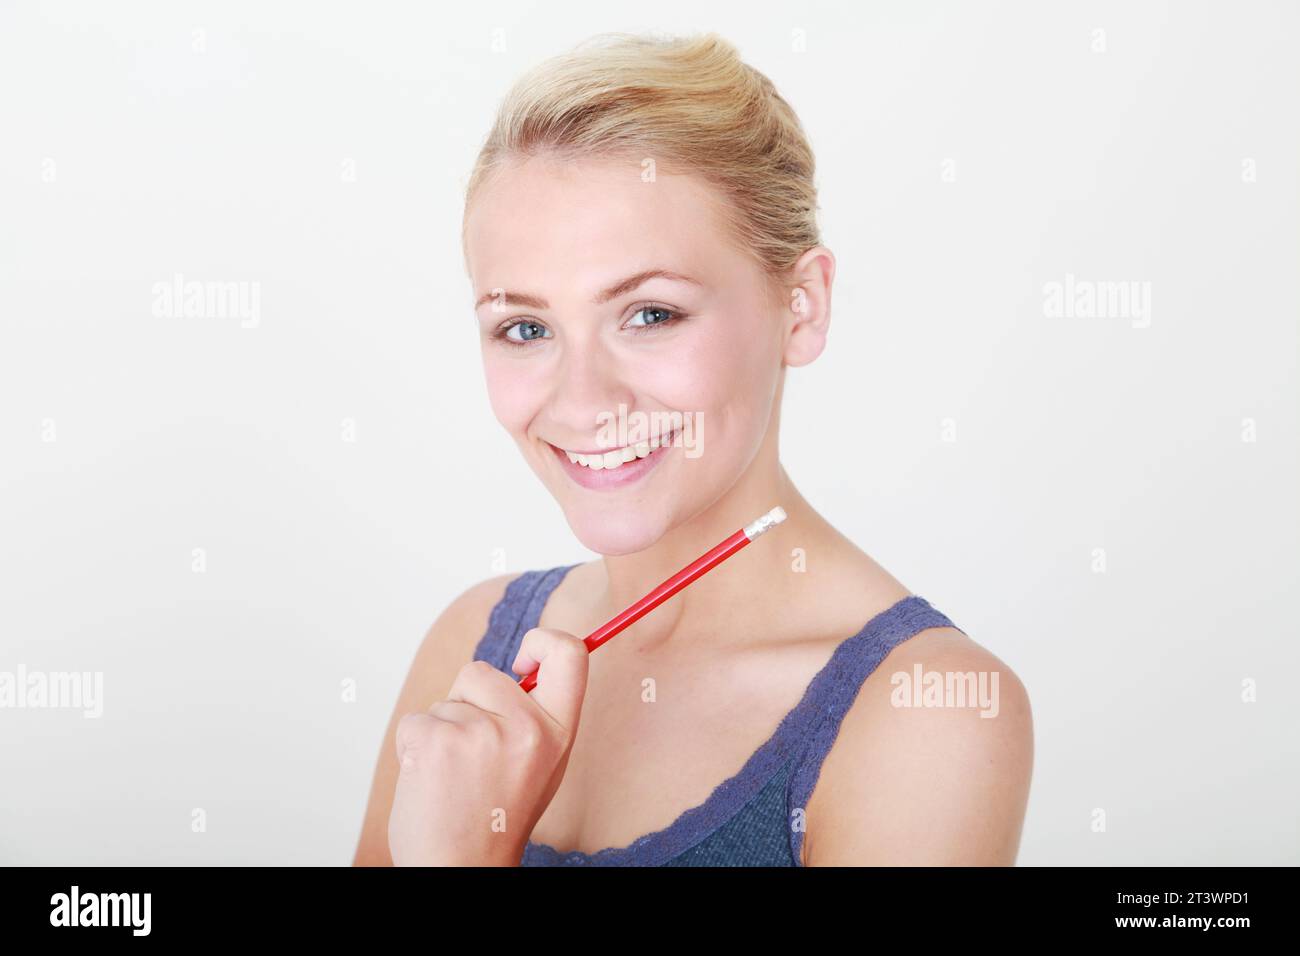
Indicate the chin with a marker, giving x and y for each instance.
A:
(613, 532)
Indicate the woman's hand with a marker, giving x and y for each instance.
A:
(479, 768)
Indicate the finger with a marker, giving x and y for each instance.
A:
(458, 711)
(562, 677)
(481, 684)
(416, 731)
(413, 732)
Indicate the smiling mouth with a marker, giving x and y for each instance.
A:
(616, 458)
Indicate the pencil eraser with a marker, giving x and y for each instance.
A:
(765, 523)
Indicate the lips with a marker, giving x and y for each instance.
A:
(616, 457)
(620, 476)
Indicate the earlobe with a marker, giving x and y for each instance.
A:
(806, 343)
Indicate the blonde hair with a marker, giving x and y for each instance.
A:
(690, 104)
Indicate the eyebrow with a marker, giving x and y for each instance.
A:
(622, 287)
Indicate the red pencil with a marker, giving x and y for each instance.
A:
(697, 568)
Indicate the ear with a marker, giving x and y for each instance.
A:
(810, 305)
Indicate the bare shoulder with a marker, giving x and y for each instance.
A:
(932, 763)
(451, 640)
(447, 646)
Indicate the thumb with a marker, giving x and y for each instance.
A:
(562, 678)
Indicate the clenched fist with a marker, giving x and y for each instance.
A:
(479, 768)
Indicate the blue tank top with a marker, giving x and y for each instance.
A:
(756, 817)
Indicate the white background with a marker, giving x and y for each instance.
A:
(214, 141)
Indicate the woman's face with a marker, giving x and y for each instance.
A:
(572, 348)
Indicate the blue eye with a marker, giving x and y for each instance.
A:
(670, 316)
(526, 334)
(530, 331)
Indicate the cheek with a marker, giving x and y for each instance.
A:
(514, 390)
(725, 377)
(725, 367)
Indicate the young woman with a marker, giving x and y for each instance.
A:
(640, 233)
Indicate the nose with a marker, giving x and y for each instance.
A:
(589, 382)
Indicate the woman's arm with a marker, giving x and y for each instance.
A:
(447, 648)
(925, 786)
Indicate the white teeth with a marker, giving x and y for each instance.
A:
(619, 456)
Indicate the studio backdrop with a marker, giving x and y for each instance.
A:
(247, 455)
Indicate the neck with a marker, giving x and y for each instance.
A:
(752, 585)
